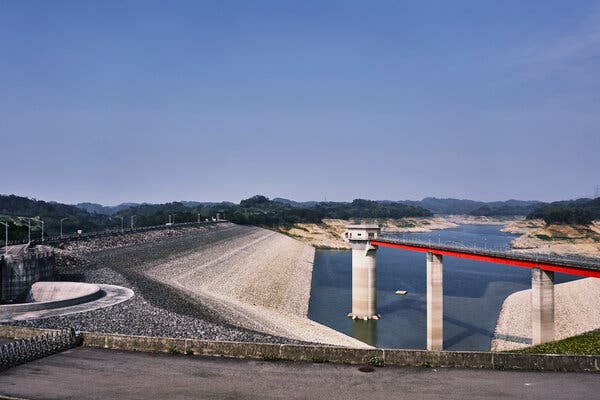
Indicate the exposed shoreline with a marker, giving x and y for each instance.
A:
(327, 235)
(537, 237)
(577, 310)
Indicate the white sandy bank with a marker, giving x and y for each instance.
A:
(576, 310)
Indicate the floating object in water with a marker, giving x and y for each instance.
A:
(400, 292)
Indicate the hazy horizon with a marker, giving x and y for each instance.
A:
(144, 101)
(282, 197)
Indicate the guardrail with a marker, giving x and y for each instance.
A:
(24, 350)
(110, 232)
(324, 353)
(576, 261)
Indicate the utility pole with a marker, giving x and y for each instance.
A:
(132, 220)
(198, 217)
(42, 230)
(5, 237)
(61, 226)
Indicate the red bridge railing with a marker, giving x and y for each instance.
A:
(582, 266)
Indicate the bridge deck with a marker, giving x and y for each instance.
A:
(582, 266)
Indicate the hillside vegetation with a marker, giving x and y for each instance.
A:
(578, 212)
(257, 210)
(15, 210)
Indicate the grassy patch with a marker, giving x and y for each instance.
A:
(319, 360)
(375, 362)
(174, 351)
(588, 343)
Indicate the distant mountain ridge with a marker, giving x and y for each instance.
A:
(473, 207)
(95, 208)
(435, 205)
(259, 210)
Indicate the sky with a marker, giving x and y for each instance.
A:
(142, 101)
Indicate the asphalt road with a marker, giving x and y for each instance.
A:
(85, 373)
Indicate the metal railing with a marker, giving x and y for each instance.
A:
(110, 232)
(25, 350)
(576, 261)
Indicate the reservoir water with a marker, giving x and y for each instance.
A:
(473, 292)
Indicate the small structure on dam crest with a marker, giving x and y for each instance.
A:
(364, 298)
(23, 266)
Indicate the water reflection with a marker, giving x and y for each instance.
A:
(365, 331)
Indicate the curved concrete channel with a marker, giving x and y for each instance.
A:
(49, 299)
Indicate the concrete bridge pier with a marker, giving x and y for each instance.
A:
(542, 306)
(364, 289)
(435, 302)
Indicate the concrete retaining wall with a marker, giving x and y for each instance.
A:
(17, 273)
(313, 353)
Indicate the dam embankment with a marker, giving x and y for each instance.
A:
(225, 282)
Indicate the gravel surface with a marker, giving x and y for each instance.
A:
(156, 309)
(225, 282)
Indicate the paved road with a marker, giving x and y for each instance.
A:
(85, 373)
(15, 250)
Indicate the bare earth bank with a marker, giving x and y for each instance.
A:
(328, 233)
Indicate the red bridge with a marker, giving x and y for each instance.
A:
(582, 266)
(365, 240)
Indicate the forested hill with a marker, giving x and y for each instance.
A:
(473, 207)
(506, 208)
(95, 208)
(16, 209)
(581, 212)
(257, 210)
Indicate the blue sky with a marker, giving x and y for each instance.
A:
(158, 101)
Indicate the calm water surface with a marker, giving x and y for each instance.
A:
(473, 292)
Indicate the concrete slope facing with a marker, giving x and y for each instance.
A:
(257, 279)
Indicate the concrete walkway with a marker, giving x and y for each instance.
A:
(112, 295)
(86, 373)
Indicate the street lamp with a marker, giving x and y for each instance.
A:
(61, 225)
(5, 237)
